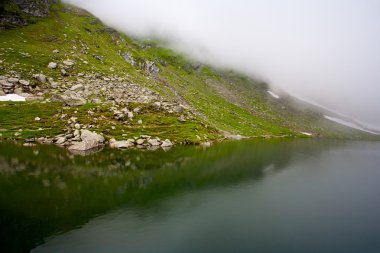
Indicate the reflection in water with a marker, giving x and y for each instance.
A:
(47, 191)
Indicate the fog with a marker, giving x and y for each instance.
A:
(327, 51)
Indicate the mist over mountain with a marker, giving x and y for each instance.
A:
(324, 51)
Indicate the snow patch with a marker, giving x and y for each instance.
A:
(306, 133)
(348, 124)
(273, 94)
(12, 97)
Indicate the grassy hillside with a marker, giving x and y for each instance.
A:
(184, 101)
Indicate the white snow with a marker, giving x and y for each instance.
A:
(12, 97)
(273, 94)
(306, 133)
(348, 124)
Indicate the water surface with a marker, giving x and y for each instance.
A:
(250, 196)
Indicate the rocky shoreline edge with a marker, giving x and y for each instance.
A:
(88, 142)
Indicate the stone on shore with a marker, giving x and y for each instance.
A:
(166, 143)
(90, 140)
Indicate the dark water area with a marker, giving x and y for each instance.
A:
(246, 196)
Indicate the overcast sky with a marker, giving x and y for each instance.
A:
(327, 51)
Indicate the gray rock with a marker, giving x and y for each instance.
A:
(154, 142)
(76, 133)
(18, 91)
(181, 119)
(68, 63)
(24, 82)
(130, 115)
(2, 93)
(52, 65)
(87, 135)
(56, 51)
(128, 58)
(41, 78)
(77, 87)
(60, 140)
(6, 84)
(137, 110)
(122, 144)
(13, 80)
(98, 57)
(63, 72)
(178, 109)
(90, 140)
(140, 142)
(71, 100)
(166, 143)
(151, 67)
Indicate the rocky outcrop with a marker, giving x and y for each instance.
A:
(151, 67)
(18, 12)
(9, 85)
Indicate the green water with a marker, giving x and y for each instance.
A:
(248, 196)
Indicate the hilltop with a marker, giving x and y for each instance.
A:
(77, 75)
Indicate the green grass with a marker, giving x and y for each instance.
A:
(19, 117)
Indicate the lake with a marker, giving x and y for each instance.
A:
(244, 196)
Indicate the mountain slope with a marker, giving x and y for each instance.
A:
(100, 79)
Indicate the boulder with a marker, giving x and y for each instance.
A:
(24, 83)
(128, 58)
(178, 109)
(13, 80)
(41, 78)
(137, 110)
(52, 65)
(87, 135)
(140, 142)
(166, 143)
(68, 63)
(6, 84)
(71, 100)
(90, 140)
(130, 115)
(77, 87)
(154, 142)
(122, 144)
(63, 72)
(181, 119)
(60, 140)
(151, 67)
(18, 91)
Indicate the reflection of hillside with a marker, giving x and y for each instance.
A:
(47, 190)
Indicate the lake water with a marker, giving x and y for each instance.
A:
(247, 196)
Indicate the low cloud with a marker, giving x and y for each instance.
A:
(327, 51)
